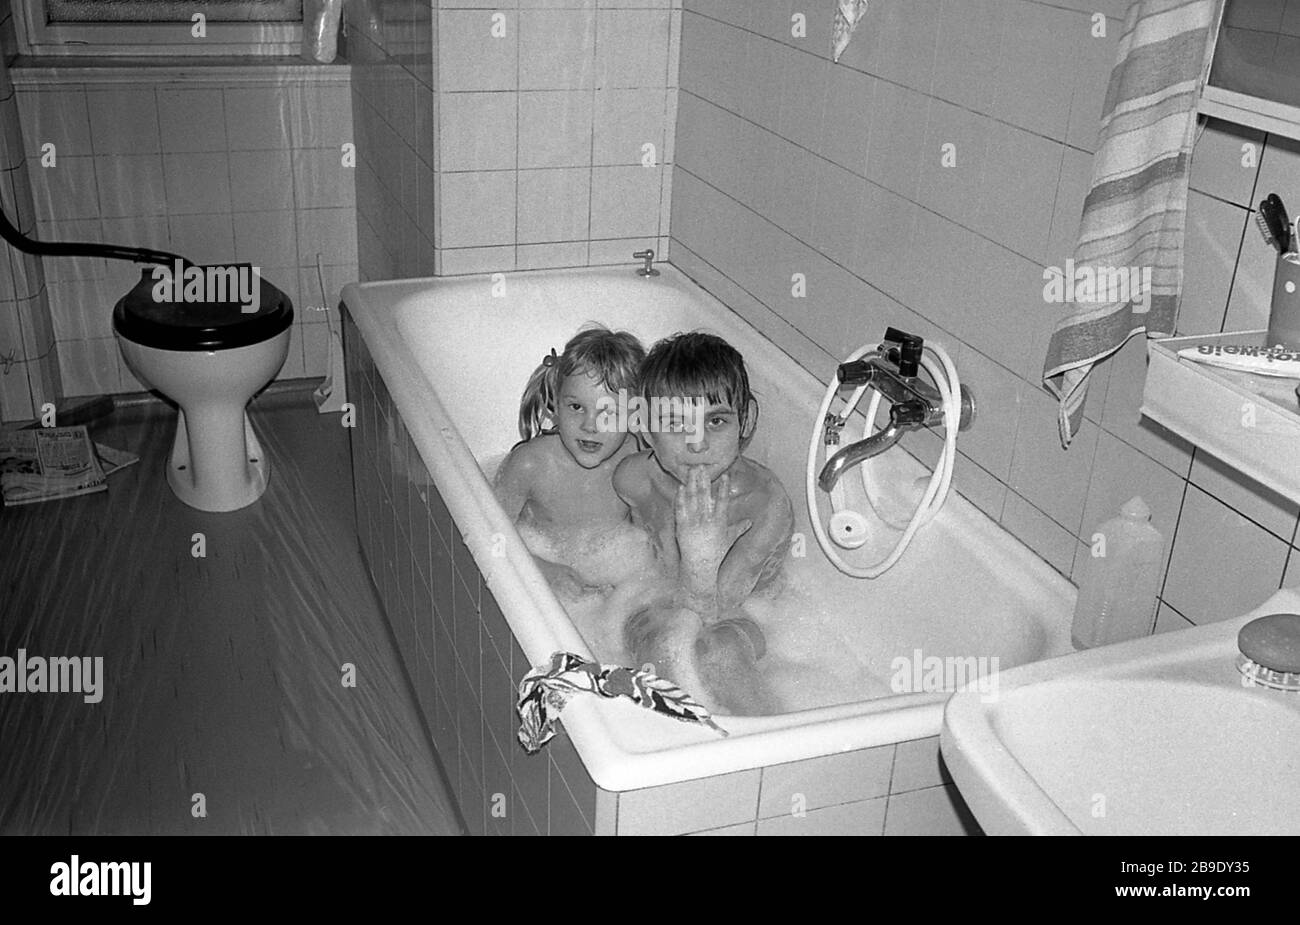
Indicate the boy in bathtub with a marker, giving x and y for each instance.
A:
(720, 522)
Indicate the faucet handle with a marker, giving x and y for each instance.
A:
(910, 348)
(646, 254)
(858, 372)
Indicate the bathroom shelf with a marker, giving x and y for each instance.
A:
(1249, 421)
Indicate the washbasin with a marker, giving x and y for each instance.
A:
(1159, 736)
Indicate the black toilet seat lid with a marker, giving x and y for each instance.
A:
(151, 316)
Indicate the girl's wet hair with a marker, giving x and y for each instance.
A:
(694, 364)
(613, 357)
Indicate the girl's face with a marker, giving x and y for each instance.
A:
(578, 420)
(716, 448)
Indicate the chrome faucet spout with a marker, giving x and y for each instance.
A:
(857, 453)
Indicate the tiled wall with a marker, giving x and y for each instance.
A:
(789, 164)
(391, 47)
(542, 129)
(215, 168)
(464, 665)
(29, 370)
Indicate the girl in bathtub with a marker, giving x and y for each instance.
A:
(557, 482)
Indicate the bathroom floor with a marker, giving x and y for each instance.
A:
(228, 702)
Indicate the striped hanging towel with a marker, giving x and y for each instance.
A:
(1127, 272)
(848, 13)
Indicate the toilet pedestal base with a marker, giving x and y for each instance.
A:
(217, 464)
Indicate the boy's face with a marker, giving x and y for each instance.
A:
(577, 419)
(714, 447)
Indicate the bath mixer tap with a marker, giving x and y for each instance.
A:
(892, 370)
(648, 256)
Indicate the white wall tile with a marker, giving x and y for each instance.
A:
(123, 121)
(631, 48)
(470, 57)
(191, 119)
(197, 183)
(261, 180)
(57, 117)
(1214, 541)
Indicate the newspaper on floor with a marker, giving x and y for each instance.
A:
(47, 463)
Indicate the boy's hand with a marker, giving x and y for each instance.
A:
(703, 534)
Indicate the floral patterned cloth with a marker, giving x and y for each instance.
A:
(544, 692)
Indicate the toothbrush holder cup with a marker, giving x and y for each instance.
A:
(1284, 311)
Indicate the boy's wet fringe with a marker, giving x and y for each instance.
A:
(696, 363)
(544, 692)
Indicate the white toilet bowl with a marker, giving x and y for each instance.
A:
(210, 359)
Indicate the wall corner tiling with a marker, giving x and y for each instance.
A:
(512, 139)
(29, 365)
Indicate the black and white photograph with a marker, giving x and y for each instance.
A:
(651, 417)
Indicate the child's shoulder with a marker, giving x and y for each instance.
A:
(632, 477)
(754, 476)
(533, 455)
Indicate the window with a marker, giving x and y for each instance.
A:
(159, 27)
(1255, 77)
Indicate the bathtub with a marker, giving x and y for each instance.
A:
(435, 368)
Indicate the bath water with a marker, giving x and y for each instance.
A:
(808, 663)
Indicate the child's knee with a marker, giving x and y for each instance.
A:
(731, 642)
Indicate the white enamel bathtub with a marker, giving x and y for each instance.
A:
(454, 354)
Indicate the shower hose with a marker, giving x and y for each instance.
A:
(939, 365)
(17, 239)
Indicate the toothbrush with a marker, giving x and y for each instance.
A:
(1261, 220)
(1286, 243)
(1273, 225)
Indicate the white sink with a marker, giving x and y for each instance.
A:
(1160, 736)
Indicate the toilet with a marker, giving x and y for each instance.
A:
(210, 358)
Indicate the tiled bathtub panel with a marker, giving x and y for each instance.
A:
(744, 828)
(567, 818)
(466, 568)
(418, 514)
(422, 678)
(496, 700)
(531, 772)
(442, 580)
(444, 734)
(532, 777)
(498, 788)
(865, 817)
(522, 822)
(495, 627)
(918, 766)
(467, 634)
(828, 780)
(470, 796)
(690, 806)
(469, 726)
(498, 696)
(934, 811)
(568, 767)
(445, 672)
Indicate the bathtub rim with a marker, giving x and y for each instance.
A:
(623, 747)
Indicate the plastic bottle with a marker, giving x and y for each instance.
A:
(1117, 592)
(320, 29)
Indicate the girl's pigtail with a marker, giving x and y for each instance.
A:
(538, 401)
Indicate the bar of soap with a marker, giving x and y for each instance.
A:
(1272, 641)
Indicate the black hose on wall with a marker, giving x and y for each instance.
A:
(84, 249)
